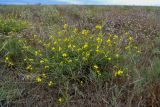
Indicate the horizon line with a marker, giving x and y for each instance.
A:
(67, 4)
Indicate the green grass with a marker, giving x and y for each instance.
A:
(11, 25)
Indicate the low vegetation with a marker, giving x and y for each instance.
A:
(79, 55)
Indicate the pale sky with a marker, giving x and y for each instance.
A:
(115, 2)
(86, 2)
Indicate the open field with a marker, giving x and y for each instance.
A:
(79, 56)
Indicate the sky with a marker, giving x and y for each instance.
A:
(86, 2)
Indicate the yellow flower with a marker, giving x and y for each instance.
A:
(65, 26)
(35, 36)
(130, 38)
(59, 33)
(91, 37)
(117, 55)
(97, 47)
(98, 27)
(109, 58)
(64, 55)
(38, 79)
(53, 48)
(126, 33)
(69, 46)
(50, 37)
(118, 73)
(99, 40)
(108, 41)
(46, 60)
(69, 61)
(98, 72)
(66, 40)
(85, 32)
(50, 83)
(100, 34)
(44, 75)
(11, 64)
(97, 50)
(6, 58)
(138, 51)
(84, 58)
(61, 100)
(87, 54)
(85, 46)
(29, 67)
(61, 63)
(40, 41)
(115, 37)
(96, 66)
(81, 82)
(73, 46)
(36, 53)
(46, 67)
(45, 44)
(127, 47)
(41, 61)
(97, 69)
(127, 75)
(135, 47)
(55, 43)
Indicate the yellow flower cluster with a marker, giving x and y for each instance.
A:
(118, 73)
(73, 50)
(60, 100)
(29, 67)
(85, 32)
(50, 83)
(8, 61)
(97, 69)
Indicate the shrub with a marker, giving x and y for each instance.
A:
(77, 56)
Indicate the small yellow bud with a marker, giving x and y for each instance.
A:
(96, 66)
(50, 83)
(41, 61)
(38, 79)
(64, 55)
(46, 67)
(65, 26)
(98, 27)
(44, 75)
(53, 48)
